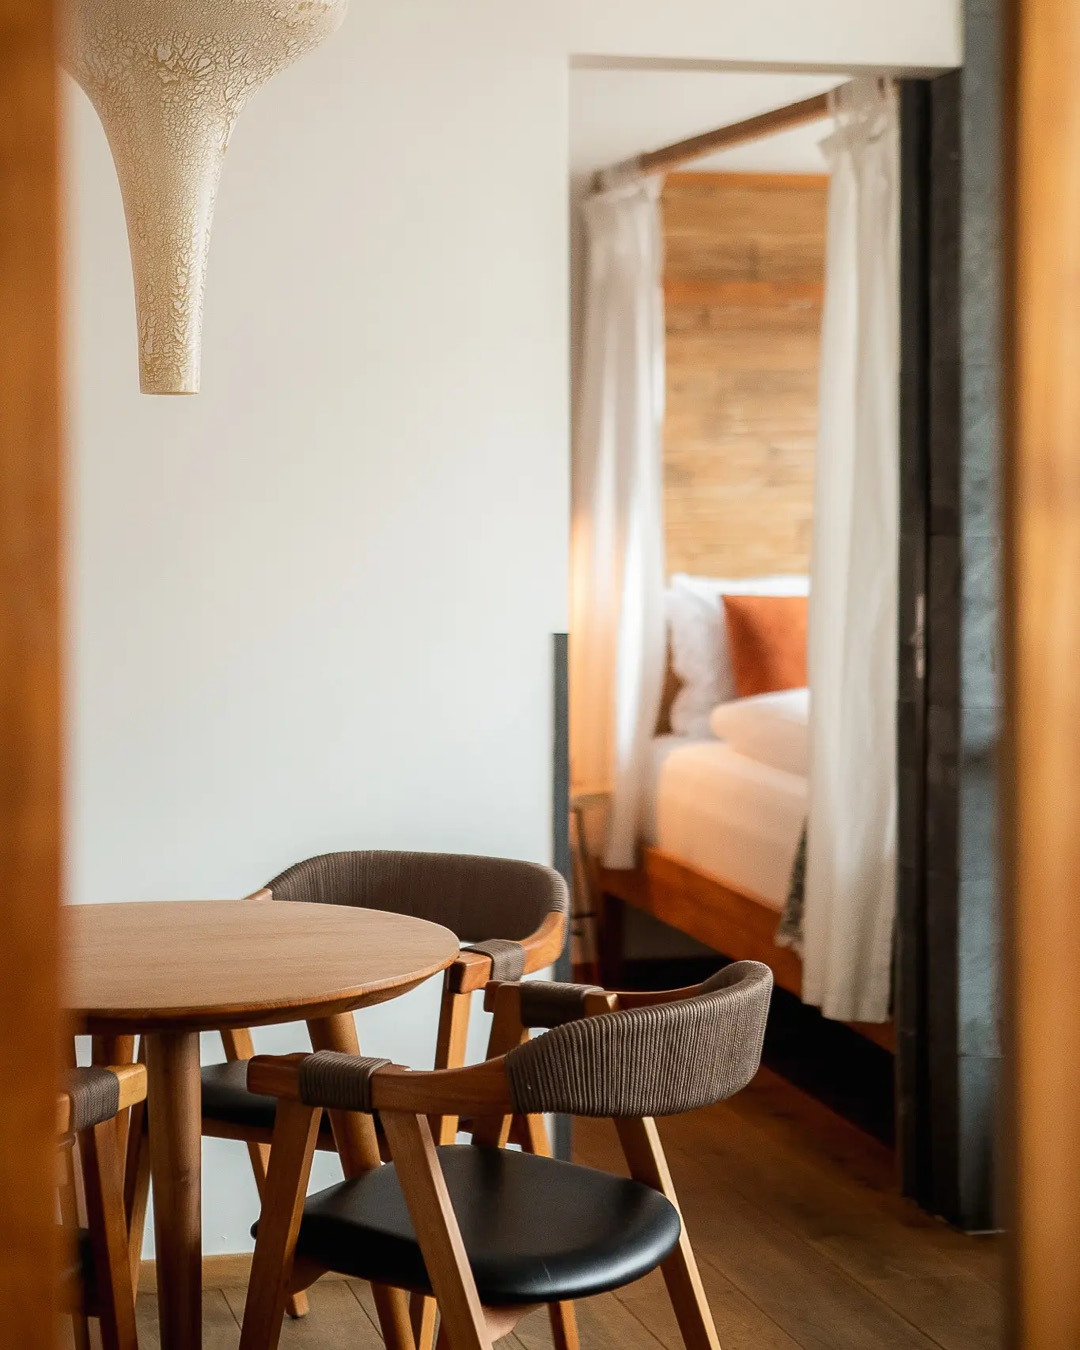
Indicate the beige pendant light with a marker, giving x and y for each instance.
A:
(168, 79)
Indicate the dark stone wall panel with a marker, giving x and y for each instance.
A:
(948, 1004)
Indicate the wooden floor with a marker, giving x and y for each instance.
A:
(801, 1239)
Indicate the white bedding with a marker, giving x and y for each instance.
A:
(729, 816)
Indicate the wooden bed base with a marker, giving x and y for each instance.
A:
(737, 923)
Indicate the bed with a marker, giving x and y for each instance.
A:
(719, 842)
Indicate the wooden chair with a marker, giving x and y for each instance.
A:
(513, 913)
(98, 1281)
(490, 1231)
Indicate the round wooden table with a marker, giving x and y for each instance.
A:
(169, 970)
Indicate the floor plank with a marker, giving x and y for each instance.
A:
(958, 1312)
(605, 1324)
(337, 1320)
(871, 1235)
(221, 1330)
(771, 1204)
(790, 1165)
(840, 1161)
(741, 1324)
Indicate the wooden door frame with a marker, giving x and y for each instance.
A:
(1042, 759)
(30, 734)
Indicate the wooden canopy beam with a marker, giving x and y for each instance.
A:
(723, 138)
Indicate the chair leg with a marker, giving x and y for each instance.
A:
(449, 1054)
(450, 1051)
(109, 1050)
(423, 1310)
(645, 1158)
(564, 1329)
(71, 1220)
(358, 1148)
(295, 1133)
(239, 1045)
(80, 1331)
(136, 1186)
(506, 1034)
(464, 1324)
(296, 1304)
(104, 1181)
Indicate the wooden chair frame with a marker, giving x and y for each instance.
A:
(101, 1195)
(405, 1101)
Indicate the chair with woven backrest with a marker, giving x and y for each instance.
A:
(514, 915)
(489, 1231)
(97, 1279)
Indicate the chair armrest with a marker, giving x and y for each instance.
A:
(104, 1093)
(547, 1003)
(481, 1089)
(473, 970)
(468, 972)
(588, 999)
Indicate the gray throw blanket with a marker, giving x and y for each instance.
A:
(790, 932)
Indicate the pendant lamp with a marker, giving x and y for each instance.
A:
(168, 79)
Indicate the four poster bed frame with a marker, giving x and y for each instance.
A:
(736, 923)
(733, 922)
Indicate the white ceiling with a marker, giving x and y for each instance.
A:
(615, 114)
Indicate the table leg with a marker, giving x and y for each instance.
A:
(174, 1098)
(358, 1146)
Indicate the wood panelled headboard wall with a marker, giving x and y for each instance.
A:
(744, 280)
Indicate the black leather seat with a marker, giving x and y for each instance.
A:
(78, 1280)
(535, 1230)
(77, 1264)
(225, 1097)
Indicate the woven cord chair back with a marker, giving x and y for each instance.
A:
(651, 1061)
(478, 898)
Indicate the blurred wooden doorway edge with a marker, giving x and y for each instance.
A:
(1042, 642)
(30, 729)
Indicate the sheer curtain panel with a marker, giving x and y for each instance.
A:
(617, 569)
(850, 897)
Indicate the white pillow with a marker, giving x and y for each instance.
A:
(771, 728)
(699, 644)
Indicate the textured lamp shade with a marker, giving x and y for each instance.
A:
(168, 79)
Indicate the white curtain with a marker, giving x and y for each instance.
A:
(617, 569)
(850, 898)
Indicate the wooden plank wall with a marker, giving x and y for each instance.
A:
(744, 279)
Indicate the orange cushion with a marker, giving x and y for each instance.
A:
(767, 638)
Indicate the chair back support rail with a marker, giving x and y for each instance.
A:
(513, 912)
(659, 1059)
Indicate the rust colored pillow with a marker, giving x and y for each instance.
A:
(767, 639)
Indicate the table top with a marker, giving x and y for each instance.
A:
(206, 964)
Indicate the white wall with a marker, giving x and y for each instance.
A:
(311, 607)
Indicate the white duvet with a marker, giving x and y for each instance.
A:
(732, 817)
